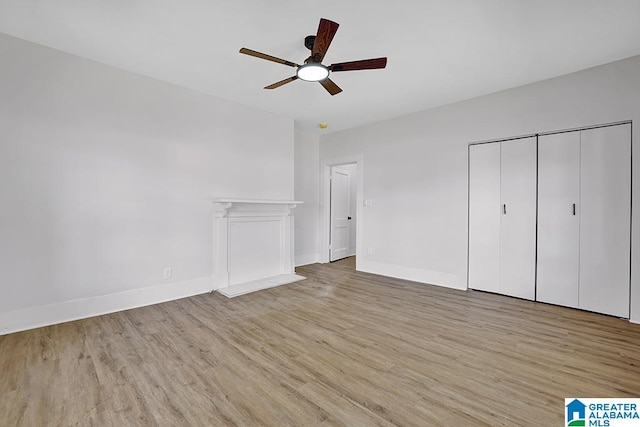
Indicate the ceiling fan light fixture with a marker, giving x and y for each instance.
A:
(312, 72)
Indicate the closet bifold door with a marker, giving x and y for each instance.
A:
(558, 218)
(605, 215)
(518, 218)
(484, 217)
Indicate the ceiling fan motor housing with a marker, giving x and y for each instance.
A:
(309, 41)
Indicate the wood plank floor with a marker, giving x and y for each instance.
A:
(340, 348)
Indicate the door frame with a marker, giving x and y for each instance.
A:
(553, 132)
(325, 203)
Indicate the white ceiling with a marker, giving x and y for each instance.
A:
(440, 51)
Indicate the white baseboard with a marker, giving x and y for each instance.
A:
(635, 321)
(414, 274)
(306, 259)
(45, 315)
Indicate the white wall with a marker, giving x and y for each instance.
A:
(107, 177)
(417, 167)
(307, 182)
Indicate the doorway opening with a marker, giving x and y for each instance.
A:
(342, 217)
(342, 210)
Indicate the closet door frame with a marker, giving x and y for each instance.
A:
(583, 128)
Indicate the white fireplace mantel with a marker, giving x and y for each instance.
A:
(253, 245)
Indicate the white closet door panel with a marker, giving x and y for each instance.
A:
(558, 227)
(605, 220)
(518, 218)
(484, 217)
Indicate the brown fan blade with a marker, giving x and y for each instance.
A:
(326, 30)
(331, 87)
(281, 82)
(365, 64)
(267, 57)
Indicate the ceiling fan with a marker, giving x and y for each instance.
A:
(312, 70)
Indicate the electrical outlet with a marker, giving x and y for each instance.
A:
(369, 251)
(167, 273)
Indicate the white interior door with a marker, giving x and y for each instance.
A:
(558, 218)
(518, 218)
(340, 204)
(605, 195)
(484, 217)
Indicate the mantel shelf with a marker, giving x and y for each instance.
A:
(257, 201)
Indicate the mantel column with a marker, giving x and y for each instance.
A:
(220, 245)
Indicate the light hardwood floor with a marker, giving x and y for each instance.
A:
(341, 348)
